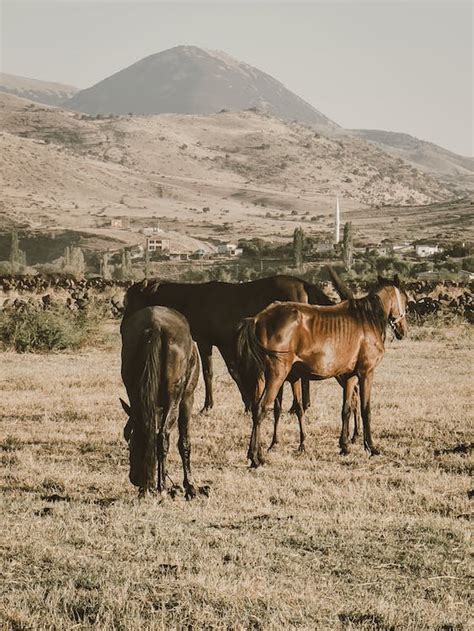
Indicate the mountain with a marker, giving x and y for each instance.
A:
(39, 91)
(425, 155)
(191, 80)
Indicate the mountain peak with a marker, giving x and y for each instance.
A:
(187, 79)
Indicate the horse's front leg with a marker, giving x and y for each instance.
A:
(366, 382)
(299, 411)
(348, 386)
(356, 413)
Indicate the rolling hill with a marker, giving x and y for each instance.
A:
(40, 91)
(201, 177)
(427, 156)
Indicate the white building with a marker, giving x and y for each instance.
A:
(151, 230)
(229, 249)
(423, 250)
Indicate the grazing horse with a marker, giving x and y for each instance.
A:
(215, 309)
(160, 369)
(288, 341)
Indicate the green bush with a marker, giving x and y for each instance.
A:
(58, 329)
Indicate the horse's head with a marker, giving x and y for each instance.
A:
(395, 305)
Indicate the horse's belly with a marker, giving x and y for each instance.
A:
(329, 362)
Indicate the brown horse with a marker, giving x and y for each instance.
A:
(160, 369)
(288, 341)
(215, 309)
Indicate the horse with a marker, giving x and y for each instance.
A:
(160, 370)
(288, 341)
(215, 309)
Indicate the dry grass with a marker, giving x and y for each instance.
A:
(311, 542)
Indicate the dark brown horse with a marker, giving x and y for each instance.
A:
(160, 369)
(215, 309)
(289, 341)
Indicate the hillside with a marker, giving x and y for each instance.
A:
(426, 156)
(204, 177)
(190, 80)
(41, 91)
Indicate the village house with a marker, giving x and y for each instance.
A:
(158, 244)
(178, 256)
(229, 249)
(148, 231)
(119, 222)
(424, 249)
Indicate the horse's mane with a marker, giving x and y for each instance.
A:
(369, 309)
(145, 287)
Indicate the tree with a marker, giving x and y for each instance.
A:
(147, 261)
(126, 266)
(17, 256)
(347, 246)
(298, 242)
(104, 266)
(73, 261)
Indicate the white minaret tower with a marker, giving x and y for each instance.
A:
(338, 221)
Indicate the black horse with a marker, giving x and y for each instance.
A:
(215, 309)
(160, 369)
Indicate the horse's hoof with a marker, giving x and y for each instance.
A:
(344, 451)
(204, 490)
(176, 490)
(354, 439)
(190, 493)
(206, 409)
(374, 451)
(274, 445)
(301, 449)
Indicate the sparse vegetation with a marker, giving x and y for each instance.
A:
(32, 329)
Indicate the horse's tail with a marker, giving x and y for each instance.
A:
(250, 355)
(339, 285)
(143, 457)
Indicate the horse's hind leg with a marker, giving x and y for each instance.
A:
(348, 390)
(276, 414)
(162, 451)
(163, 444)
(205, 351)
(184, 444)
(270, 384)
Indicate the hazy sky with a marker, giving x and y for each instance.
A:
(401, 66)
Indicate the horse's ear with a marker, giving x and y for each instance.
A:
(396, 280)
(126, 407)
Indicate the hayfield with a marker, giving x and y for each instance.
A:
(317, 541)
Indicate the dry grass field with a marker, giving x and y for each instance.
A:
(311, 542)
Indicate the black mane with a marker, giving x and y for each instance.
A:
(370, 310)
